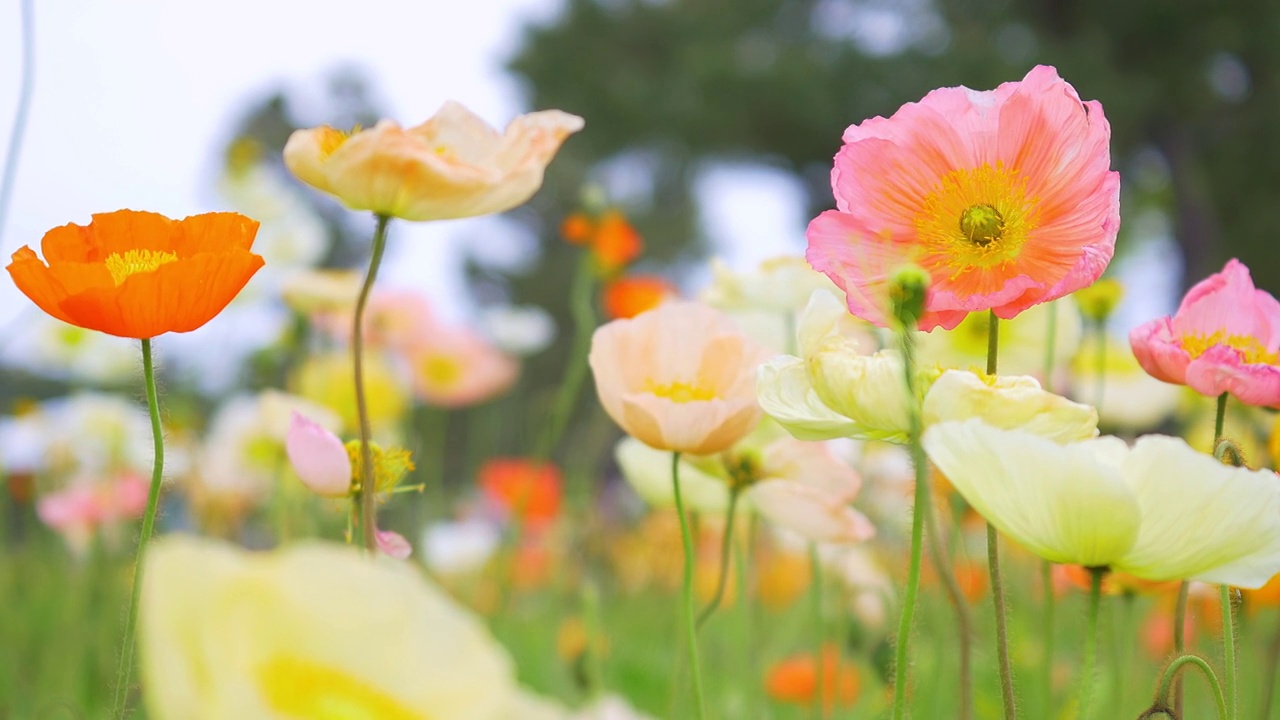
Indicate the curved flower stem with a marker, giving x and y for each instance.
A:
(691, 628)
(1229, 651)
(964, 625)
(582, 308)
(726, 546)
(1090, 643)
(25, 91)
(919, 512)
(148, 525)
(993, 558)
(1171, 673)
(368, 486)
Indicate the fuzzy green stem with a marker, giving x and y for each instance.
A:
(1050, 602)
(919, 513)
(1179, 639)
(1090, 643)
(1269, 674)
(1050, 343)
(148, 525)
(368, 487)
(1100, 362)
(1167, 679)
(964, 625)
(726, 547)
(691, 627)
(1229, 652)
(582, 307)
(993, 558)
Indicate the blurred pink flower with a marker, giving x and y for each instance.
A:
(454, 367)
(807, 489)
(1005, 197)
(78, 511)
(319, 458)
(680, 377)
(393, 319)
(1225, 337)
(127, 497)
(393, 544)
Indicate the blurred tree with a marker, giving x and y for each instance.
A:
(1189, 87)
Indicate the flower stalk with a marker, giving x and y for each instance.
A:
(726, 546)
(691, 627)
(1091, 643)
(993, 557)
(148, 526)
(367, 498)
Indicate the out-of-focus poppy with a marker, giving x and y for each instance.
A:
(523, 488)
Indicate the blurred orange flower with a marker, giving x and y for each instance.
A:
(524, 488)
(627, 297)
(796, 680)
(612, 240)
(577, 228)
(451, 166)
(139, 274)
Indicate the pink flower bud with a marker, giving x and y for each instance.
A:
(393, 544)
(319, 458)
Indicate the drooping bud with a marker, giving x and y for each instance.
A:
(1229, 452)
(319, 458)
(908, 291)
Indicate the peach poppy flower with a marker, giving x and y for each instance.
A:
(1005, 197)
(451, 166)
(1225, 337)
(139, 274)
(679, 378)
(629, 296)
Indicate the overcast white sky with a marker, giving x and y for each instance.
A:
(134, 99)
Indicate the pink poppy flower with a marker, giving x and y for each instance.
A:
(318, 457)
(1225, 338)
(392, 544)
(1004, 196)
(454, 367)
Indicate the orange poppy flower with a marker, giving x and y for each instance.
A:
(798, 680)
(523, 487)
(627, 297)
(138, 274)
(616, 243)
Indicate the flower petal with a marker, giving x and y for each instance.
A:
(785, 394)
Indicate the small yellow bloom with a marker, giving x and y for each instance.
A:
(1100, 299)
(327, 381)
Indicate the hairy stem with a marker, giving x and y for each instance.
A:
(691, 627)
(1090, 643)
(726, 547)
(368, 486)
(148, 525)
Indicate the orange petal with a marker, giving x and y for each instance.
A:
(215, 232)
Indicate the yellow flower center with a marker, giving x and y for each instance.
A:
(332, 138)
(134, 262)
(681, 392)
(1251, 351)
(442, 370)
(299, 688)
(977, 218)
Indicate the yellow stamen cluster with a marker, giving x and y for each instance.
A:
(679, 392)
(389, 466)
(1251, 351)
(441, 369)
(976, 218)
(133, 262)
(294, 687)
(332, 138)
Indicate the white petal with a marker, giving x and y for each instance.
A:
(1065, 503)
(1012, 402)
(783, 390)
(870, 390)
(1202, 520)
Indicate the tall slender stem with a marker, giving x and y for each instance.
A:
(1172, 673)
(993, 556)
(582, 307)
(819, 629)
(691, 628)
(964, 625)
(1046, 568)
(919, 512)
(1090, 643)
(1229, 652)
(726, 546)
(148, 525)
(368, 486)
(1100, 363)
(1269, 674)
(25, 91)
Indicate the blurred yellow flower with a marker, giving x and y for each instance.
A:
(1131, 399)
(315, 631)
(451, 166)
(326, 380)
(1099, 300)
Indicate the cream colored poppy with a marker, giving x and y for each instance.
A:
(451, 166)
(316, 631)
(1159, 510)
(1009, 402)
(680, 378)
